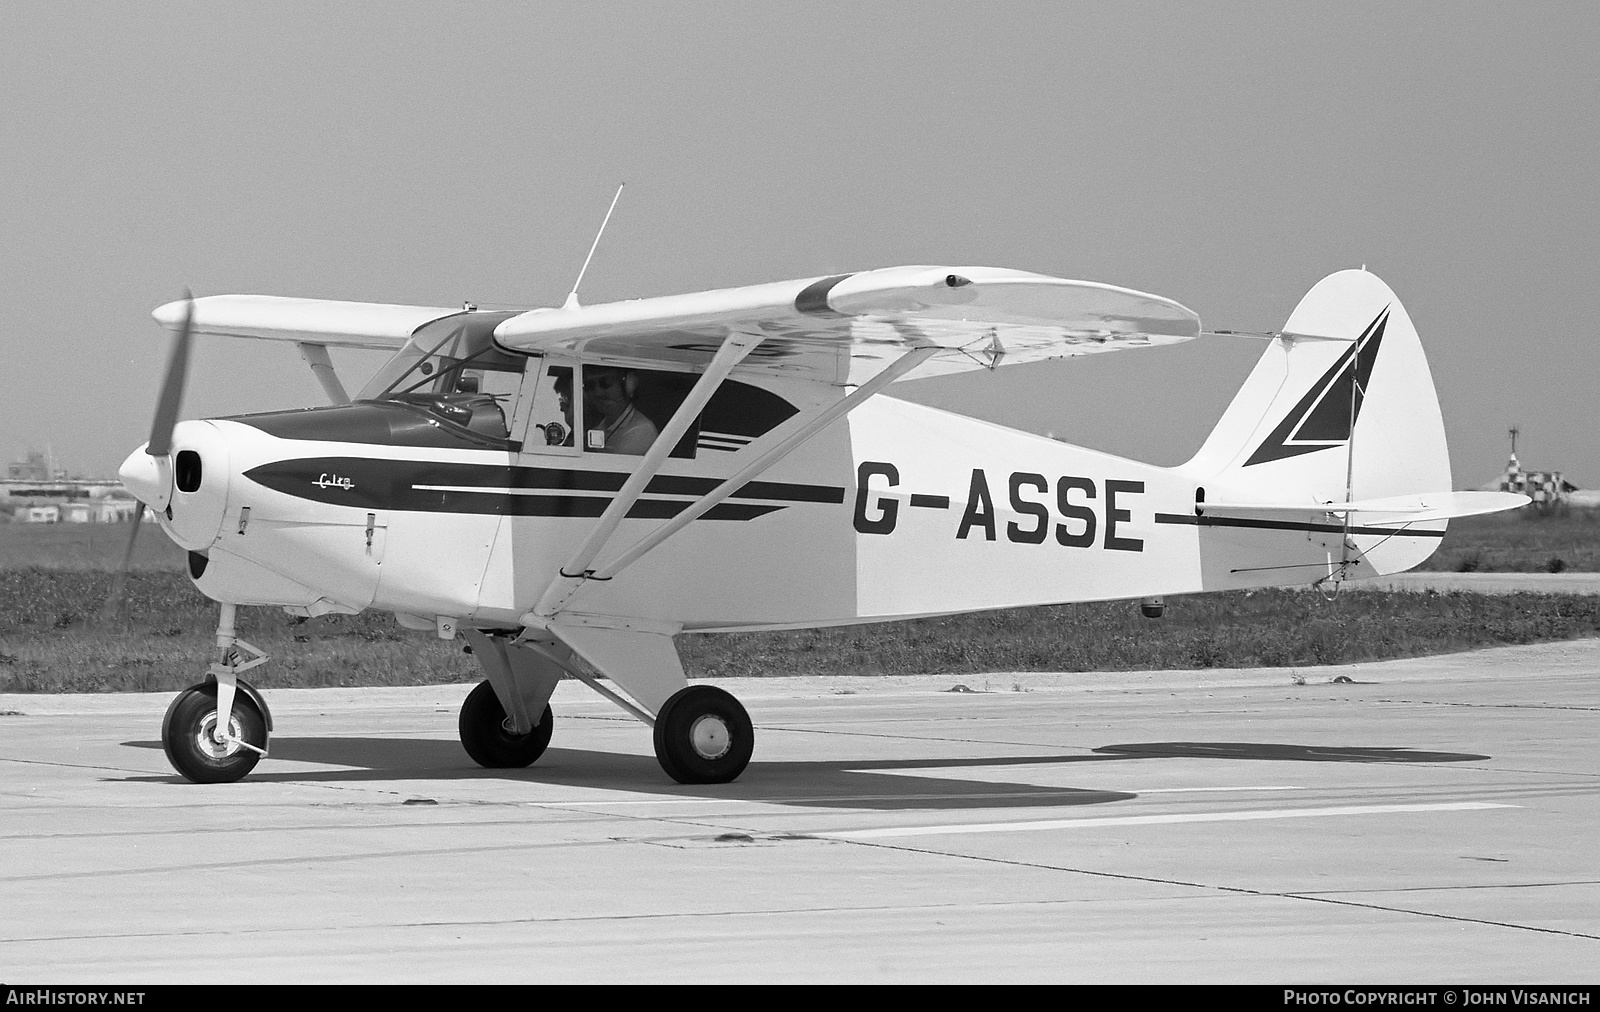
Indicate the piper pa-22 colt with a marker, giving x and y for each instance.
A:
(587, 482)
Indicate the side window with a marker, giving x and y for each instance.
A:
(624, 410)
(554, 420)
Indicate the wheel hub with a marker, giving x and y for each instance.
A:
(710, 737)
(207, 741)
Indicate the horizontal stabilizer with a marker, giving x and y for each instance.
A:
(1274, 335)
(1414, 508)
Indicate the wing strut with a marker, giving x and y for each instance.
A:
(316, 356)
(571, 576)
(910, 360)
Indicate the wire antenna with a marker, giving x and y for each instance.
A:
(572, 296)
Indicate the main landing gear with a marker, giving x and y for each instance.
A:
(702, 734)
(492, 741)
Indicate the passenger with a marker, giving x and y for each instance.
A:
(608, 407)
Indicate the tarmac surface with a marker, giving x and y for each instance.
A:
(1426, 821)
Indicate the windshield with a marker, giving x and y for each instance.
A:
(452, 369)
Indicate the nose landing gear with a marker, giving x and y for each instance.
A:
(199, 742)
(196, 748)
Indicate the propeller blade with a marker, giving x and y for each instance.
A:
(172, 390)
(112, 609)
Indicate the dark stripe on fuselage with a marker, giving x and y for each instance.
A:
(502, 504)
(1288, 525)
(455, 487)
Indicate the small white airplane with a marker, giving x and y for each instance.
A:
(587, 482)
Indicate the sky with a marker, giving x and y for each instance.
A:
(1226, 155)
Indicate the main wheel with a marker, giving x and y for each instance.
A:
(703, 736)
(484, 734)
(188, 734)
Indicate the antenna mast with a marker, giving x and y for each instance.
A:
(572, 296)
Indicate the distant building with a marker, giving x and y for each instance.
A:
(33, 483)
(1547, 489)
(98, 511)
(32, 466)
(37, 514)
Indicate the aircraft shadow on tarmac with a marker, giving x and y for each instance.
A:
(828, 784)
(823, 783)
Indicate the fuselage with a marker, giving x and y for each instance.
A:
(898, 510)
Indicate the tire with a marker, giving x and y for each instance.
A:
(484, 734)
(703, 736)
(186, 736)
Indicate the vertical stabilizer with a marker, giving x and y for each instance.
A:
(1340, 408)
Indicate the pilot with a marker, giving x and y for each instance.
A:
(608, 407)
(555, 433)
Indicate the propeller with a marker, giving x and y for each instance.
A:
(172, 389)
(159, 447)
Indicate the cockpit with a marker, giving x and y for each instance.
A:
(450, 386)
(452, 370)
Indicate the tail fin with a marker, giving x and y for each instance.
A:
(1340, 411)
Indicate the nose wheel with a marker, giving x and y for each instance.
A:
(703, 736)
(199, 750)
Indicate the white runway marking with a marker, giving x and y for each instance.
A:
(1151, 820)
(1191, 790)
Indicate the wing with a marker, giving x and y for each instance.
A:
(311, 321)
(846, 328)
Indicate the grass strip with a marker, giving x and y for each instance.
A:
(50, 643)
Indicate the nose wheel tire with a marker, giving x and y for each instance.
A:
(189, 736)
(484, 734)
(703, 736)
